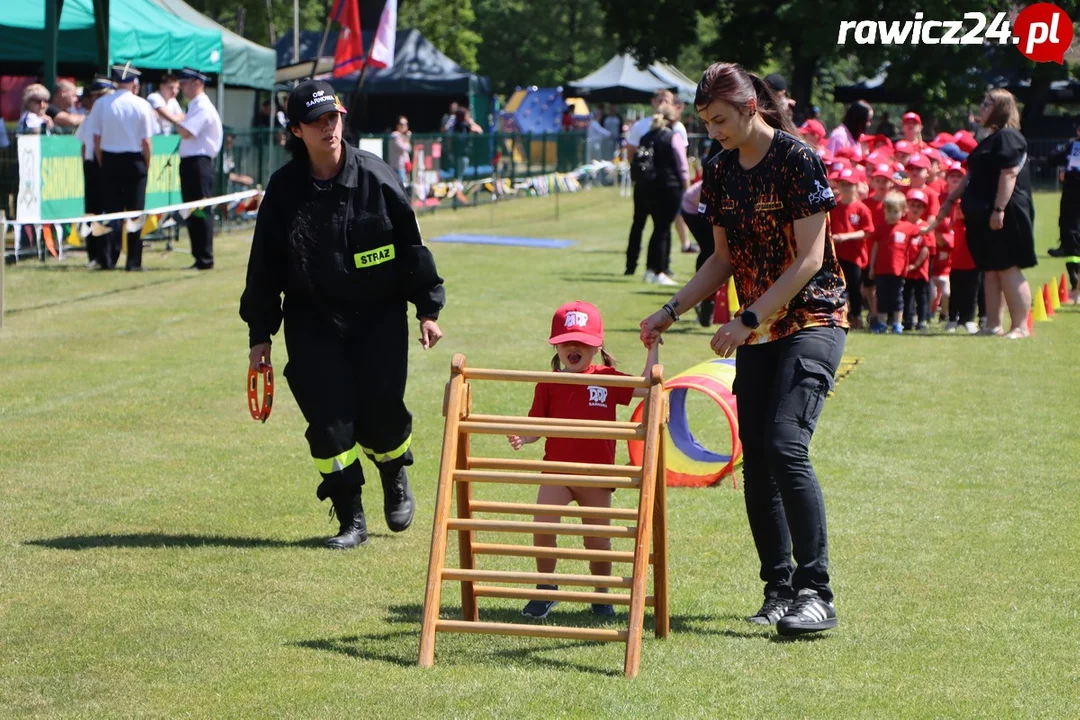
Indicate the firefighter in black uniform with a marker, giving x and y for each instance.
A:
(1069, 216)
(337, 235)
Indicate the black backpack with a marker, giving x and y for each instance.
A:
(643, 166)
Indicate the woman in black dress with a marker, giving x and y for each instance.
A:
(996, 199)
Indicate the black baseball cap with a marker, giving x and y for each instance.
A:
(776, 81)
(311, 99)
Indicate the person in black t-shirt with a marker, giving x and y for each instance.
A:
(768, 197)
(995, 196)
(1069, 211)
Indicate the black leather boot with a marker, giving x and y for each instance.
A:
(344, 490)
(398, 502)
(350, 513)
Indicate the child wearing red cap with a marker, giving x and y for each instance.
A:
(918, 172)
(577, 332)
(912, 130)
(852, 225)
(917, 275)
(881, 181)
(889, 261)
(964, 280)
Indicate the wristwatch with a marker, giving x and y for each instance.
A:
(749, 319)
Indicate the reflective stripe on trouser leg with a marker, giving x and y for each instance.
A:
(339, 461)
(390, 455)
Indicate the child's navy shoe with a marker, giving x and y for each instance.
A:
(604, 611)
(539, 609)
(877, 327)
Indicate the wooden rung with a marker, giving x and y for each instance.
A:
(553, 421)
(560, 510)
(612, 531)
(558, 431)
(551, 631)
(534, 578)
(514, 593)
(557, 378)
(573, 468)
(524, 478)
(556, 552)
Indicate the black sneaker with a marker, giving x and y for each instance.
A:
(773, 609)
(539, 609)
(603, 610)
(705, 312)
(809, 613)
(1056, 252)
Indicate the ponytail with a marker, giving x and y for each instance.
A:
(770, 108)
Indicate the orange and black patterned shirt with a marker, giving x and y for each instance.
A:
(758, 208)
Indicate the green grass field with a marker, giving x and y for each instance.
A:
(160, 551)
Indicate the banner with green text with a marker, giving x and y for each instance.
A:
(51, 176)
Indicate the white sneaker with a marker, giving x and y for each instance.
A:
(650, 276)
(972, 328)
(950, 327)
(662, 279)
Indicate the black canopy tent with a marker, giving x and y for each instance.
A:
(420, 85)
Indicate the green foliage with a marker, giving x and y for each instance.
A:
(448, 25)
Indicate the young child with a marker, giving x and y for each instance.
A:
(577, 332)
(852, 226)
(917, 275)
(964, 275)
(918, 170)
(889, 260)
(881, 181)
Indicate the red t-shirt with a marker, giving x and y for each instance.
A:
(940, 186)
(892, 248)
(941, 256)
(580, 402)
(847, 218)
(961, 256)
(915, 245)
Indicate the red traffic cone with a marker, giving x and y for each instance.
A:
(1063, 293)
(1047, 300)
(1030, 323)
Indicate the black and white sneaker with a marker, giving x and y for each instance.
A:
(770, 612)
(539, 609)
(809, 613)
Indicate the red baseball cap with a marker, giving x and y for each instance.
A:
(965, 140)
(956, 168)
(884, 170)
(850, 152)
(942, 138)
(878, 156)
(912, 117)
(577, 321)
(917, 195)
(904, 147)
(919, 160)
(812, 127)
(932, 154)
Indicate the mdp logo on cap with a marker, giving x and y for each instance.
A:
(577, 321)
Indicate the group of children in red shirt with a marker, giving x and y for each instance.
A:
(887, 194)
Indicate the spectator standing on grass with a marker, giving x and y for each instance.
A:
(999, 215)
(201, 137)
(769, 198)
(400, 149)
(93, 186)
(641, 197)
(1069, 212)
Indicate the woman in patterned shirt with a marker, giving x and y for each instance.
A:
(768, 198)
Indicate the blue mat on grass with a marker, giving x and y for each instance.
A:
(503, 240)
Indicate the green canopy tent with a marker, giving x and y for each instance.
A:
(139, 31)
(243, 62)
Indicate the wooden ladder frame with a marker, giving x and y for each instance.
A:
(459, 470)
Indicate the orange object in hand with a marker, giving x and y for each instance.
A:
(261, 412)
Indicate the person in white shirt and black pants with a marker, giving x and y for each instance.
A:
(94, 191)
(121, 125)
(201, 135)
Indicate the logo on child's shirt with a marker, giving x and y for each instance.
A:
(576, 318)
(854, 218)
(899, 238)
(597, 396)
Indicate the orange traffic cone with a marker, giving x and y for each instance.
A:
(1047, 301)
(1030, 324)
(1063, 293)
(721, 309)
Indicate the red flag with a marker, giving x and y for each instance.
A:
(349, 53)
(382, 50)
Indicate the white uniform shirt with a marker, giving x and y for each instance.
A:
(642, 126)
(122, 119)
(87, 139)
(164, 127)
(203, 122)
